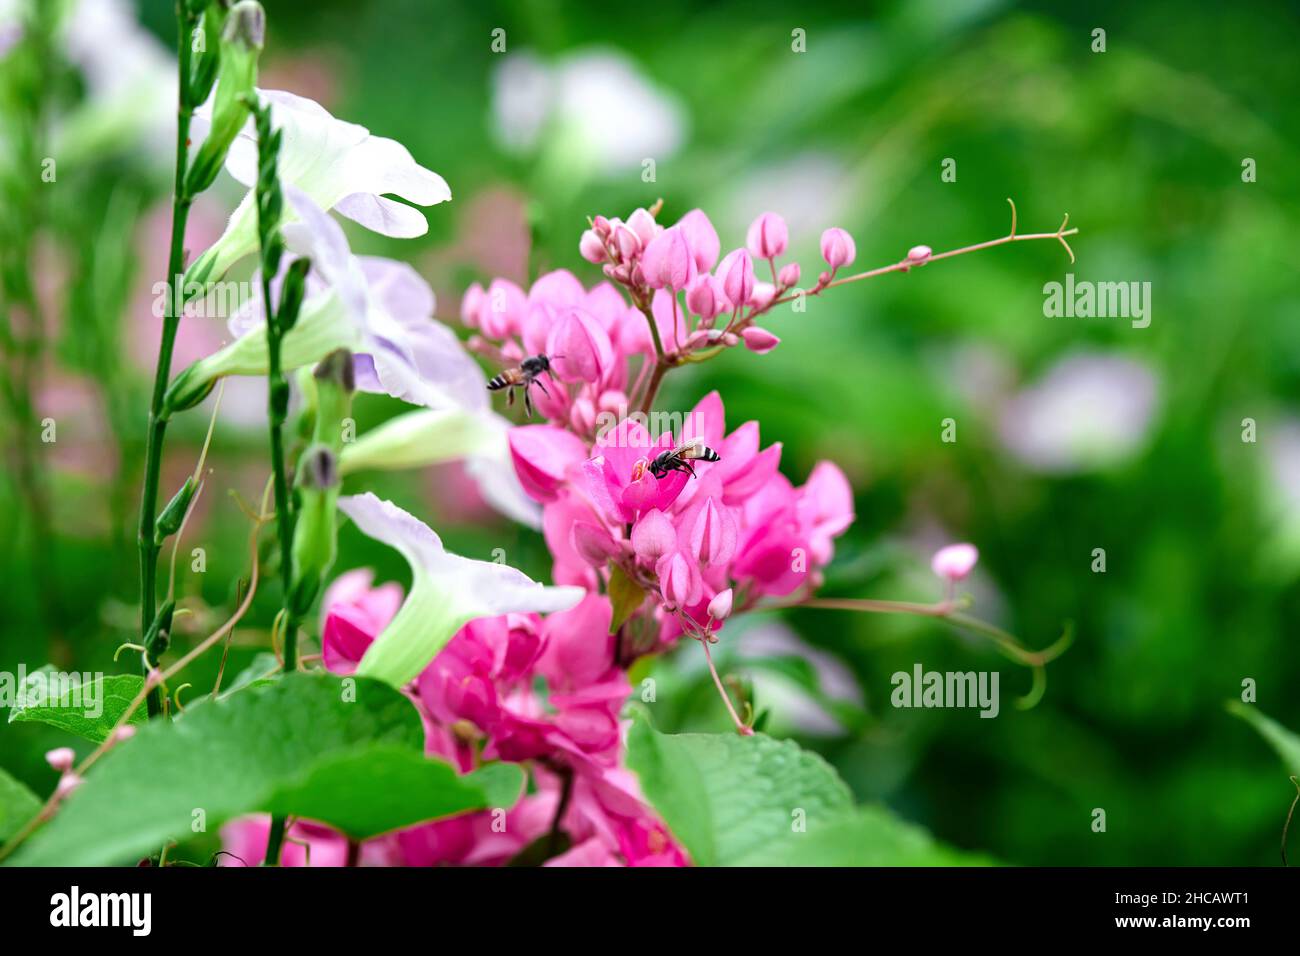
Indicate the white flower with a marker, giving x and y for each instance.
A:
(1090, 411)
(340, 165)
(430, 436)
(597, 103)
(380, 310)
(447, 591)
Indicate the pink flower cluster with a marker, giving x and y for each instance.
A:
(678, 297)
(740, 524)
(695, 547)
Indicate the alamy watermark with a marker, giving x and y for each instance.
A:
(84, 691)
(214, 300)
(922, 688)
(1084, 299)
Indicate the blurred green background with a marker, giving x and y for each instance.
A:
(1073, 434)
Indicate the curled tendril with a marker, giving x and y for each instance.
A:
(128, 646)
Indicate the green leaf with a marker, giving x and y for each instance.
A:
(870, 836)
(17, 805)
(626, 596)
(263, 669)
(1286, 743)
(726, 797)
(89, 709)
(346, 754)
(757, 801)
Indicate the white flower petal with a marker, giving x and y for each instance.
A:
(447, 591)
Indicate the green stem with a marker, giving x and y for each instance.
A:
(162, 372)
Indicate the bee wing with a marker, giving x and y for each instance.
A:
(691, 448)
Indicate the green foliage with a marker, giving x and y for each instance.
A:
(112, 694)
(1286, 743)
(298, 746)
(17, 805)
(757, 801)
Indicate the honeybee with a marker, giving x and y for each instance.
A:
(680, 458)
(524, 375)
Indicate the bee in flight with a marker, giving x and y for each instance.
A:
(524, 375)
(680, 458)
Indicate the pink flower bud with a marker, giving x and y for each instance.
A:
(123, 733)
(644, 225)
(67, 783)
(60, 758)
(704, 297)
(737, 274)
(580, 349)
(613, 400)
(767, 236)
(764, 293)
(955, 561)
(679, 581)
(712, 534)
(837, 248)
(470, 305)
(582, 416)
(601, 225)
(789, 275)
(918, 255)
(667, 262)
(503, 309)
(701, 237)
(591, 247)
(759, 340)
(627, 242)
(653, 536)
(593, 543)
(720, 606)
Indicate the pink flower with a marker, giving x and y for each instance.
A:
(580, 349)
(767, 237)
(918, 255)
(653, 536)
(591, 247)
(544, 455)
(702, 239)
(720, 606)
(245, 839)
(789, 275)
(837, 248)
(759, 340)
(667, 262)
(955, 561)
(618, 478)
(679, 580)
(353, 615)
(737, 274)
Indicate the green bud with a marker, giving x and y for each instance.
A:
(159, 635)
(169, 522)
(206, 59)
(292, 292)
(187, 389)
(314, 532)
(335, 383)
(241, 42)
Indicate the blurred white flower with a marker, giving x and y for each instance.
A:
(339, 165)
(609, 114)
(130, 80)
(1090, 411)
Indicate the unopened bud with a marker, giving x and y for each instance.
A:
(720, 606)
(60, 758)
